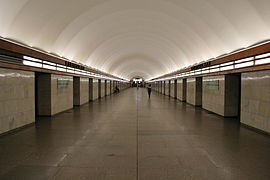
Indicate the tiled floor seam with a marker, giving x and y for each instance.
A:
(137, 136)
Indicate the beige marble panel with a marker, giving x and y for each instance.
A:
(128, 85)
(114, 84)
(194, 91)
(62, 98)
(17, 99)
(111, 86)
(120, 85)
(84, 90)
(162, 87)
(181, 89)
(102, 90)
(157, 86)
(167, 88)
(191, 90)
(172, 93)
(108, 92)
(153, 86)
(95, 90)
(255, 100)
(214, 97)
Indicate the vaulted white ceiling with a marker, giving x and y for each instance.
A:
(128, 38)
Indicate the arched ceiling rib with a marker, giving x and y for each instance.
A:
(128, 38)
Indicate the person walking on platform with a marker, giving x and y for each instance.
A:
(149, 89)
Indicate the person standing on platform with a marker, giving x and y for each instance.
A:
(149, 89)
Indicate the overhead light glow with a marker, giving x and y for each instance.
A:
(244, 64)
(32, 59)
(30, 63)
(262, 61)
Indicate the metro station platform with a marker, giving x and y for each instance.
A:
(130, 137)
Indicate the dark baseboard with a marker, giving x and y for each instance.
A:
(14, 131)
(255, 129)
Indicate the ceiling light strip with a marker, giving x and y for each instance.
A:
(34, 62)
(236, 64)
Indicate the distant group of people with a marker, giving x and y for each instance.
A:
(149, 89)
(116, 90)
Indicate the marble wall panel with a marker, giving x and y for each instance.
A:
(61, 96)
(111, 87)
(102, 90)
(172, 93)
(17, 99)
(181, 89)
(255, 100)
(108, 91)
(167, 88)
(80, 90)
(214, 94)
(194, 91)
(93, 89)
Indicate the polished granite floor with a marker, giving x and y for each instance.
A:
(129, 137)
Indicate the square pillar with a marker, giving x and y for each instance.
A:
(175, 88)
(164, 88)
(172, 89)
(221, 94)
(80, 91)
(99, 88)
(182, 89)
(167, 87)
(161, 87)
(105, 87)
(102, 88)
(111, 87)
(114, 85)
(108, 88)
(54, 94)
(194, 91)
(93, 89)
